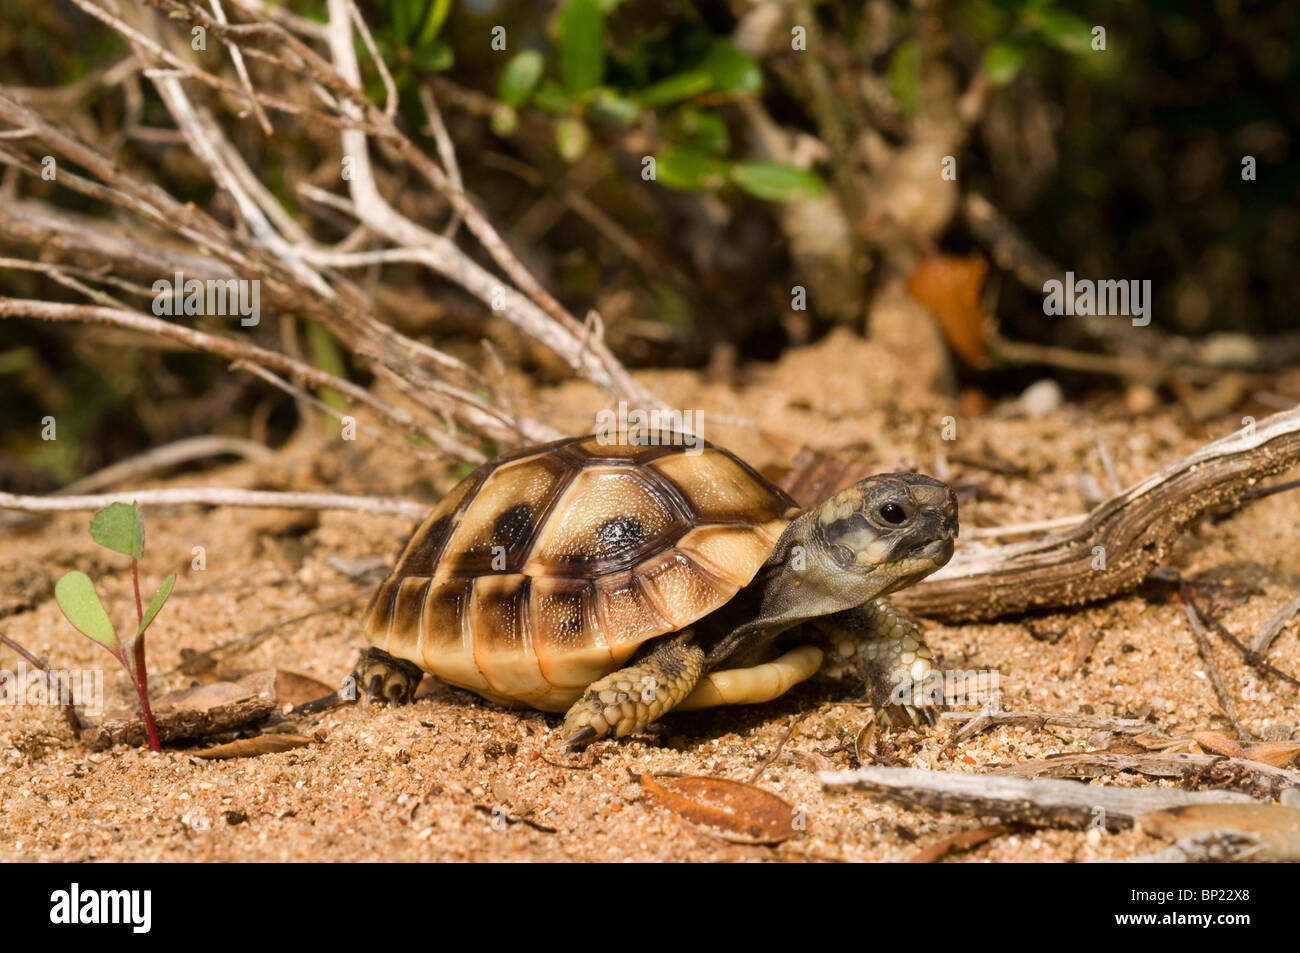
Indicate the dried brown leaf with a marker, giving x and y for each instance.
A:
(950, 287)
(1279, 754)
(251, 747)
(294, 688)
(738, 812)
(963, 840)
(1216, 743)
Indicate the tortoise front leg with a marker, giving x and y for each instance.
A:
(886, 648)
(632, 697)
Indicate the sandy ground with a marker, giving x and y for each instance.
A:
(450, 777)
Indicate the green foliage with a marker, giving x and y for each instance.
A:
(155, 604)
(775, 181)
(679, 82)
(118, 527)
(682, 167)
(519, 78)
(79, 602)
(328, 356)
(1002, 60)
(581, 30)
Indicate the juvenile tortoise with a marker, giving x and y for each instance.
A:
(618, 582)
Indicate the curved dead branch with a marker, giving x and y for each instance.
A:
(1118, 544)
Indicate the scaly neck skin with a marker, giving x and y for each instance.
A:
(798, 582)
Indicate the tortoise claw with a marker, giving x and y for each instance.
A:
(584, 735)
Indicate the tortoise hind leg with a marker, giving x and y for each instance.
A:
(387, 677)
(632, 697)
(756, 684)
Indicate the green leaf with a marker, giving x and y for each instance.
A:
(1065, 31)
(698, 128)
(403, 15)
(76, 596)
(731, 71)
(679, 86)
(572, 137)
(551, 96)
(328, 356)
(682, 167)
(435, 57)
(519, 78)
(156, 603)
(905, 76)
(436, 14)
(118, 527)
(609, 106)
(504, 121)
(582, 45)
(776, 181)
(1002, 61)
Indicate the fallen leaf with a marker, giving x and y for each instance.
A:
(1277, 753)
(950, 287)
(1278, 827)
(294, 689)
(962, 840)
(251, 747)
(1216, 743)
(738, 812)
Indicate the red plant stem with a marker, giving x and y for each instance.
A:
(135, 580)
(141, 689)
(140, 674)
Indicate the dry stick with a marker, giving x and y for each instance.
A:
(1212, 847)
(237, 351)
(217, 496)
(168, 455)
(1265, 636)
(977, 721)
(352, 324)
(1134, 529)
(69, 711)
(1255, 660)
(1158, 764)
(776, 753)
(535, 311)
(237, 58)
(1207, 656)
(1048, 803)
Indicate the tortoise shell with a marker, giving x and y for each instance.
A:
(543, 571)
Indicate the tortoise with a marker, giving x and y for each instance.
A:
(618, 581)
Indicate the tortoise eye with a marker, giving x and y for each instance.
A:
(893, 513)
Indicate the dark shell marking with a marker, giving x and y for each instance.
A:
(545, 570)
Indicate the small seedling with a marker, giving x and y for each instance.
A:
(117, 527)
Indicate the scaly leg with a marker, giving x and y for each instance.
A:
(886, 648)
(386, 677)
(632, 697)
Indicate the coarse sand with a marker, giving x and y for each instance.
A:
(453, 777)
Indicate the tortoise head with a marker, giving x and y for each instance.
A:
(884, 533)
(868, 540)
